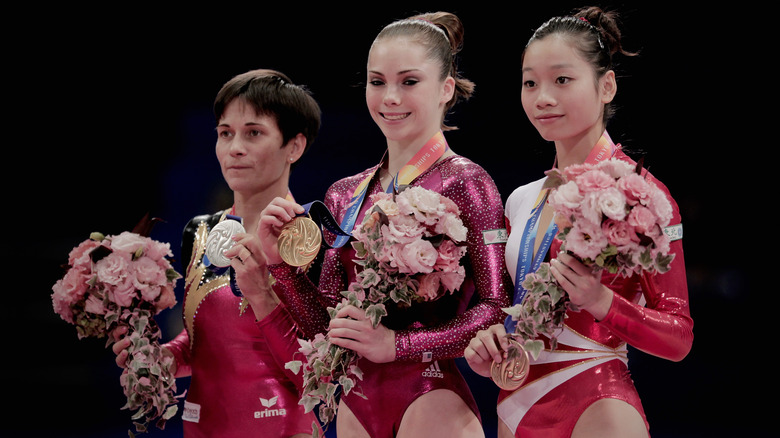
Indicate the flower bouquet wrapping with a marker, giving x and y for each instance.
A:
(611, 218)
(409, 246)
(124, 280)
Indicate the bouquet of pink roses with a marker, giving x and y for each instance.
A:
(610, 217)
(409, 246)
(125, 280)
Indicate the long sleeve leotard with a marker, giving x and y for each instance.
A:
(649, 312)
(428, 335)
(239, 386)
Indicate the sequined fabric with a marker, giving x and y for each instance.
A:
(443, 327)
(427, 334)
(662, 327)
(239, 387)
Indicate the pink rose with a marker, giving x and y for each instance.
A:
(424, 204)
(385, 202)
(159, 252)
(575, 170)
(167, 298)
(642, 219)
(620, 233)
(661, 207)
(449, 256)
(149, 292)
(68, 291)
(453, 227)
(128, 242)
(612, 203)
(586, 240)
(636, 189)
(590, 210)
(113, 269)
(428, 287)
(403, 229)
(94, 305)
(661, 242)
(452, 280)
(566, 198)
(79, 256)
(416, 257)
(450, 207)
(592, 180)
(616, 168)
(147, 272)
(123, 294)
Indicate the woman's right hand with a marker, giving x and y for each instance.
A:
(274, 216)
(486, 347)
(120, 345)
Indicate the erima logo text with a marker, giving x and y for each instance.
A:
(268, 412)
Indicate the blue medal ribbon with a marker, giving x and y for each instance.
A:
(604, 149)
(527, 261)
(320, 214)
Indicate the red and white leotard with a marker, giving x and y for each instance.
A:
(239, 387)
(591, 361)
(430, 335)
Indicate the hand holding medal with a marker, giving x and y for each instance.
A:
(300, 239)
(299, 242)
(220, 240)
(510, 373)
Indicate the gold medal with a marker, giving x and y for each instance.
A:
(299, 241)
(512, 371)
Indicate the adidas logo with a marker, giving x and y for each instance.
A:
(268, 412)
(433, 370)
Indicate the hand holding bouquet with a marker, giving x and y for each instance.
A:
(409, 246)
(124, 280)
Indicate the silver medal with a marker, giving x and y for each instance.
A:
(220, 240)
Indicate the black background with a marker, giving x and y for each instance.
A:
(108, 117)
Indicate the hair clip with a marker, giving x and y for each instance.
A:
(595, 29)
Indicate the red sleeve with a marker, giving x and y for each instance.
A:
(180, 348)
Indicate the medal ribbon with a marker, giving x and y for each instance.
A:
(526, 260)
(419, 163)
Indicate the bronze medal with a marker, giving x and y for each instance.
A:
(299, 241)
(512, 371)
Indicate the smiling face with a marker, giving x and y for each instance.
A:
(249, 149)
(561, 95)
(405, 94)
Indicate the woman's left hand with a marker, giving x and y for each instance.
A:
(352, 329)
(583, 285)
(249, 264)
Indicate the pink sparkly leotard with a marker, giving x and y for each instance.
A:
(429, 336)
(591, 361)
(239, 387)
